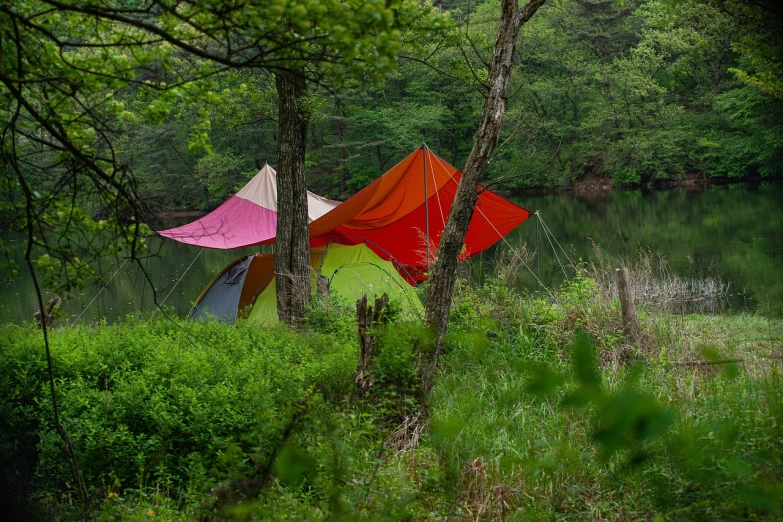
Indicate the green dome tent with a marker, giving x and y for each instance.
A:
(246, 287)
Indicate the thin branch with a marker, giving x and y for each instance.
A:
(73, 461)
(512, 176)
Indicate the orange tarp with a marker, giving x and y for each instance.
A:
(393, 215)
(394, 195)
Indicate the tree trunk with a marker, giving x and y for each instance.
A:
(444, 270)
(292, 253)
(368, 317)
(627, 306)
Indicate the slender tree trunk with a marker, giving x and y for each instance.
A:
(444, 270)
(292, 253)
(627, 306)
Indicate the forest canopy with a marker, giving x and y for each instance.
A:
(635, 91)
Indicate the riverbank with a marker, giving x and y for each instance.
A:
(528, 419)
(593, 184)
(589, 185)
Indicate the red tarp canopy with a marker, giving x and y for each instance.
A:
(395, 213)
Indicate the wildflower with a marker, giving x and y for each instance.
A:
(150, 512)
(113, 495)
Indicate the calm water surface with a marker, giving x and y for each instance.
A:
(732, 232)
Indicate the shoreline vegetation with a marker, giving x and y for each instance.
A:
(587, 185)
(542, 409)
(590, 183)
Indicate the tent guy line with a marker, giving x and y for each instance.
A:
(100, 291)
(175, 284)
(523, 261)
(546, 232)
(546, 228)
(548, 238)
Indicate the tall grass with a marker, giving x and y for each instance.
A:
(541, 410)
(505, 418)
(655, 287)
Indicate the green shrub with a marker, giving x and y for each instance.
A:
(149, 404)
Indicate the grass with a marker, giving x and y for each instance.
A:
(528, 420)
(535, 458)
(656, 287)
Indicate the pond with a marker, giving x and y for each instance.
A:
(731, 233)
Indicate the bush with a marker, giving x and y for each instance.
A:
(177, 407)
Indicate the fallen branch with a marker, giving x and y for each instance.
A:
(707, 363)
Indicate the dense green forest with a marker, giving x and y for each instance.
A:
(637, 91)
(554, 404)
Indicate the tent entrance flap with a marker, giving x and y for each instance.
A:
(247, 289)
(221, 297)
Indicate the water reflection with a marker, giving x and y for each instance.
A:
(731, 232)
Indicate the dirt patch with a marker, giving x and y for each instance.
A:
(591, 183)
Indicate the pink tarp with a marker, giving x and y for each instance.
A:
(247, 218)
(234, 224)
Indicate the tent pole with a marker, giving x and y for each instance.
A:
(538, 252)
(426, 209)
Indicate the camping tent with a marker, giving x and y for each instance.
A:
(397, 218)
(249, 217)
(249, 281)
(402, 214)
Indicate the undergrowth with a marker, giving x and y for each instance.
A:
(542, 409)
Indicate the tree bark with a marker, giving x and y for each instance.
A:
(292, 253)
(444, 271)
(368, 317)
